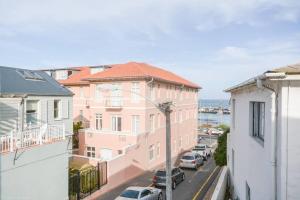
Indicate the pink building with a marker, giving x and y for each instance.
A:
(122, 124)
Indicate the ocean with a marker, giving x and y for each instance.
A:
(214, 119)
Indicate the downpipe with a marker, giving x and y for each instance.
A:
(261, 85)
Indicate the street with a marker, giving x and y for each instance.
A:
(194, 187)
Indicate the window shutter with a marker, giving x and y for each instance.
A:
(65, 109)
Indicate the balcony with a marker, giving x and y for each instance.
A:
(31, 137)
(114, 103)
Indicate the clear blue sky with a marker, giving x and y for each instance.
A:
(214, 43)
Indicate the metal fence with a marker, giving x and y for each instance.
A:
(84, 183)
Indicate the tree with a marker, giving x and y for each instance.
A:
(76, 127)
(220, 154)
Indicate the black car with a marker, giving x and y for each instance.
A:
(159, 179)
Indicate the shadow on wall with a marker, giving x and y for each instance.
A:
(85, 121)
(9, 121)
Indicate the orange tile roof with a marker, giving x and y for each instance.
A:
(139, 70)
(76, 79)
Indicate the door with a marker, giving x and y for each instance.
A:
(106, 154)
(146, 195)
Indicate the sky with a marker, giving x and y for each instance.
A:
(213, 43)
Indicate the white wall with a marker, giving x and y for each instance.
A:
(252, 159)
(37, 173)
(289, 154)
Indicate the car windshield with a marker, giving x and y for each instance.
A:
(200, 147)
(188, 158)
(131, 194)
(160, 173)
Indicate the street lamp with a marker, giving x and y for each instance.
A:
(165, 108)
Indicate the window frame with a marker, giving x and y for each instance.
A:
(98, 121)
(257, 120)
(59, 107)
(90, 150)
(116, 123)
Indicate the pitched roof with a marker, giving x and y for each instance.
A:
(140, 70)
(77, 78)
(277, 72)
(20, 82)
(289, 69)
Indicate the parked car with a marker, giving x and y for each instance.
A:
(203, 150)
(141, 193)
(159, 179)
(191, 160)
(215, 131)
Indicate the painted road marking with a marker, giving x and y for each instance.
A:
(206, 181)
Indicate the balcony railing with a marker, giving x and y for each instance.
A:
(114, 102)
(31, 137)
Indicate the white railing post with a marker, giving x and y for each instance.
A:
(40, 136)
(64, 131)
(11, 143)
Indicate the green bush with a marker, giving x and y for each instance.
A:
(220, 154)
(76, 127)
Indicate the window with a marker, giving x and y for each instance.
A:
(145, 193)
(152, 92)
(158, 120)
(57, 114)
(180, 115)
(152, 123)
(158, 91)
(116, 95)
(81, 92)
(90, 152)
(98, 92)
(233, 113)
(151, 152)
(135, 124)
(135, 91)
(116, 123)
(158, 149)
(180, 142)
(98, 121)
(248, 192)
(31, 112)
(257, 119)
(95, 70)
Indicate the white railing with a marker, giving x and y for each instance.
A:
(31, 137)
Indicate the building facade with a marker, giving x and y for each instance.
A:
(263, 147)
(118, 105)
(35, 122)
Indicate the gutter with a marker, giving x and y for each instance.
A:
(260, 84)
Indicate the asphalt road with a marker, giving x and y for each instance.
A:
(194, 186)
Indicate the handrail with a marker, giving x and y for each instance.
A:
(31, 137)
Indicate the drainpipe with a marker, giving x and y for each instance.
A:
(261, 85)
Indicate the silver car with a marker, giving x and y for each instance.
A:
(141, 193)
(191, 160)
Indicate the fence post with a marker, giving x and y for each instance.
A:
(98, 175)
(40, 136)
(90, 181)
(64, 131)
(78, 185)
(11, 147)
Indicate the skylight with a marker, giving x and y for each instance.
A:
(30, 75)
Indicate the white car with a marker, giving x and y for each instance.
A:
(141, 193)
(216, 131)
(203, 150)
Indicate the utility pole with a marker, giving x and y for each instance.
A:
(166, 109)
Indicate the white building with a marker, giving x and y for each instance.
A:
(264, 144)
(35, 121)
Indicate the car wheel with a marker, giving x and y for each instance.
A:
(160, 196)
(174, 185)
